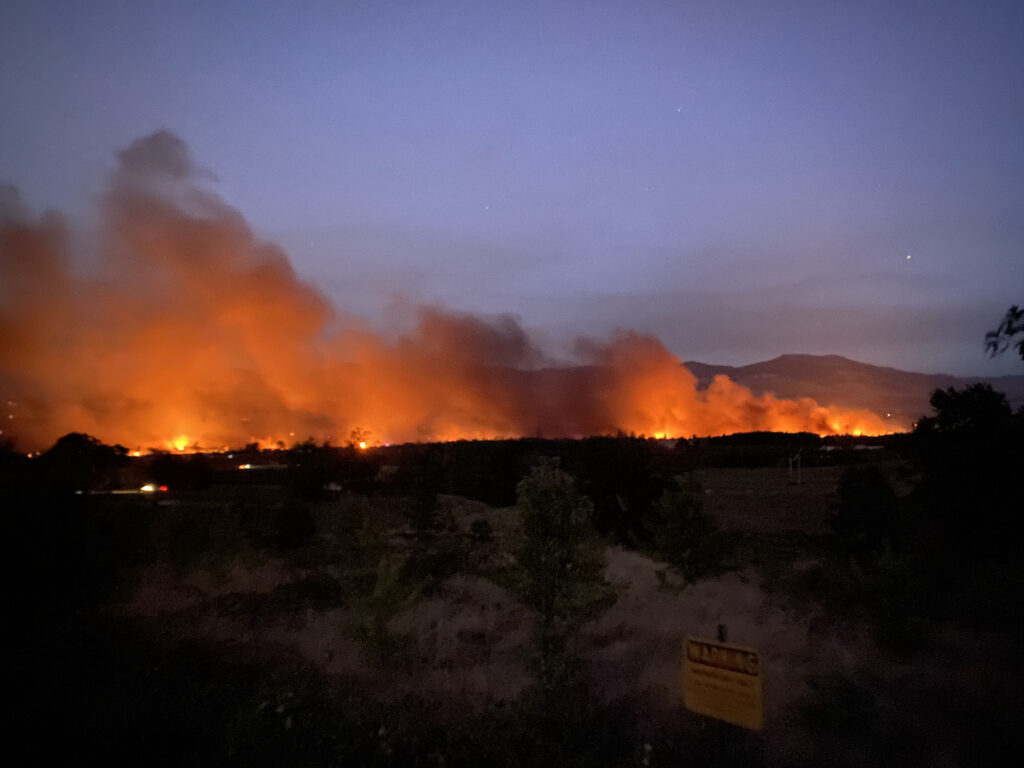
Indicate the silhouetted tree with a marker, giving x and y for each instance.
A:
(80, 462)
(972, 454)
(976, 410)
(999, 340)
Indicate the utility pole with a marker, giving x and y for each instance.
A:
(795, 459)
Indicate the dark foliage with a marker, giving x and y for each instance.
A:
(966, 507)
(1001, 339)
(753, 449)
(182, 473)
(426, 569)
(79, 462)
(972, 454)
(685, 536)
(977, 411)
(293, 526)
(311, 467)
(866, 514)
(618, 475)
(480, 531)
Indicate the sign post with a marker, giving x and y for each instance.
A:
(723, 680)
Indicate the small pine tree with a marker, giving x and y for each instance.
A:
(381, 593)
(561, 565)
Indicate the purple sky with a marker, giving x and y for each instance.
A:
(743, 179)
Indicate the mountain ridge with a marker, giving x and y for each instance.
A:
(901, 397)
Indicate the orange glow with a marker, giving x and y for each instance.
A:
(194, 333)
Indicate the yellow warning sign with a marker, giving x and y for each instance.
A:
(723, 680)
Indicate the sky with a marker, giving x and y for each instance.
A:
(741, 179)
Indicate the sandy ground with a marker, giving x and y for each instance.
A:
(466, 647)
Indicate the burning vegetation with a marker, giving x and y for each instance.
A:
(177, 328)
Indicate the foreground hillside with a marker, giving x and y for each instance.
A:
(834, 695)
(340, 607)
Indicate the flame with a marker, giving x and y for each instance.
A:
(193, 333)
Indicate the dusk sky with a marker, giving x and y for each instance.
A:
(742, 179)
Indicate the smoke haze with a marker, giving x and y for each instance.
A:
(188, 330)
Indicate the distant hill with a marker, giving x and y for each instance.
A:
(836, 380)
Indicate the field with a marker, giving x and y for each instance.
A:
(239, 625)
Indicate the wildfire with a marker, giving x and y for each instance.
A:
(226, 343)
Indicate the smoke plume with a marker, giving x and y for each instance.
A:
(185, 329)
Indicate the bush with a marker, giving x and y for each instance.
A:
(293, 526)
(480, 531)
(866, 511)
(684, 535)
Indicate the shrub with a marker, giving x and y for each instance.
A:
(481, 532)
(684, 535)
(865, 514)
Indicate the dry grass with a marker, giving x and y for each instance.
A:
(464, 645)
